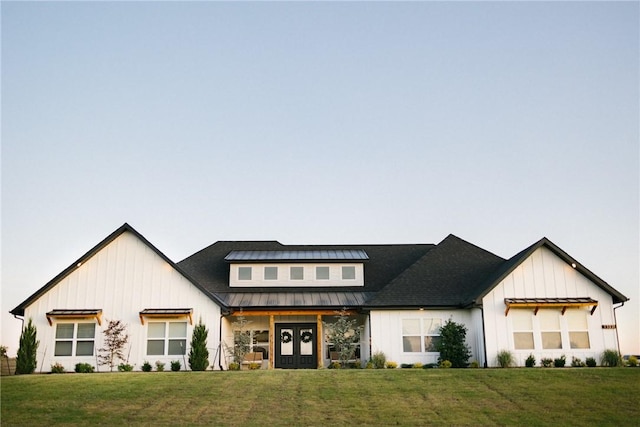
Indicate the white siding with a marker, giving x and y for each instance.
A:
(386, 333)
(545, 275)
(335, 278)
(122, 279)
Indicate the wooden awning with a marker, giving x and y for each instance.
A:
(538, 303)
(75, 314)
(167, 313)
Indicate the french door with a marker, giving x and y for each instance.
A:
(296, 345)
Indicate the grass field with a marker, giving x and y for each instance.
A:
(533, 397)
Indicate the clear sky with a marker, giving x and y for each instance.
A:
(320, 123)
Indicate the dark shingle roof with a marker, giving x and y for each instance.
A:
(450, 275)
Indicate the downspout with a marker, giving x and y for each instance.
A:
(220, 342)
(484, 337)
(20, 319)
(615, 321)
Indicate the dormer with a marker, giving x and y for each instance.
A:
(295, 268)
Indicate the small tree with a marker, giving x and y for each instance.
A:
(241, 340)
(344, 334)
(452, 345)
(115, 338)
(198, 354)
(27, 352)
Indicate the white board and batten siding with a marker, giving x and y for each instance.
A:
(545, 275)
(122, 279)
(386, 328)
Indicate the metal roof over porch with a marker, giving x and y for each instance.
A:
(294, 299)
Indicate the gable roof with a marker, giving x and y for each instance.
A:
(447, 276)
(510, 265)
(19, 310)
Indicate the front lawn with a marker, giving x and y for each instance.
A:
(573, 396)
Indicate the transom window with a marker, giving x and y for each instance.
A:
(348, 273)
(75, 338)
(420, 335)
(271, 273)
(296, 273)
(244, 273)
(322, 273)
(166, 338)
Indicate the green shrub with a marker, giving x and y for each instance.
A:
(27, 352)
(633, 361)
(591, 362)
(406, 365)
(84, 368)
(378, 359)
(175, 365)
(474, 364)
(430, 366)
(146, 366)
(611, 358)
(452, 345)
(546, 362)
(560, 361)
(57, 368)
(125, 367)
(417, 365)
(253, 366)
(369, 365)
(576, 362)
(530, 362)
(159, 366)
(199, 354)
(445, 364)
(505, 359)
(391, 365)
(335, 365)
(234, 366)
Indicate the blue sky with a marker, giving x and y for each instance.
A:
(320, 123)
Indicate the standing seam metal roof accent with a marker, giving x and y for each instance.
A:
(315, 255)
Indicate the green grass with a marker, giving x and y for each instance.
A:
(535, 397)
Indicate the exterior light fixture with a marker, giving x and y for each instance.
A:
(573, 264)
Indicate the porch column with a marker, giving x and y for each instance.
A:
(272, 343)
(319, 341)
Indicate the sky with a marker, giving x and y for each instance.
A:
(320, 123)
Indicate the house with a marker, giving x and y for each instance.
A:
(541, 301)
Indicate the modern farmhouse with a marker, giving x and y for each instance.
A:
(541, 301)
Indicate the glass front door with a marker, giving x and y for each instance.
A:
(296, 346)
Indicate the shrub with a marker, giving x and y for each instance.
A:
(234, 366)
(345, 334)
(369, 365)
(26, 357)
(445, 364)
(530, 362)
(335, 365)
(611, 358)
(159, 366)
(406, 365)
(430, 366)
(591, 362)
(115, 338)
(57, 368)
(417, 365)
(84, 368)
(560, 361)
(378, 359)
(175, 365)
(391, 365)
(474, 364)
(505, 359)
(546, 362)
(198, 354)
(576, 362)
(253, 366)
(146, 366)
(452, 345)
(125, 367)
(633, 361)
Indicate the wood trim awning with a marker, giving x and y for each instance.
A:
(538, 303)
(167, 313)
(75, 314)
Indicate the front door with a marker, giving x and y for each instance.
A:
(296, 346)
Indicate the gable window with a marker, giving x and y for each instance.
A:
(420, 335)
(322, 273)
(522, 321)
(550, 329)
(271, 273)
(578, 328)
(166, 338)
(348, 273)
(244, 273)
(296, 273)
(75, 338)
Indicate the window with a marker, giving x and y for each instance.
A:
(166, 338)
(296, 273)
(550, 329)
(75, 338)
(322, 273)
(420, 335)
(522, 321)
(271, 273)
(578, 328)
(244, 273)
(348, 273)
